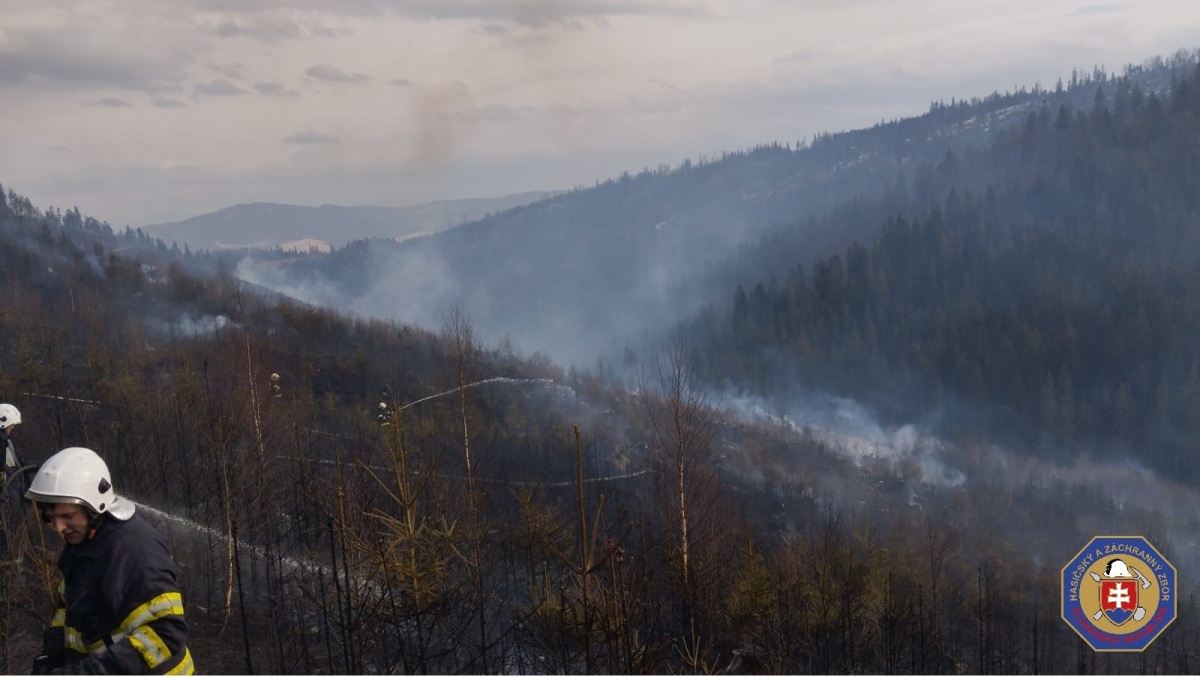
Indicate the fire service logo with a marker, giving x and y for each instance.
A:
(1118, 593)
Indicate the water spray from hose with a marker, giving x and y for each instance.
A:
(498, 379)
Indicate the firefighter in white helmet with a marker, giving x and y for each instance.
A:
(118, 609)
(10, 418)
(12, 483)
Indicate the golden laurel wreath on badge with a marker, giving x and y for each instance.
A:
(1118, 593)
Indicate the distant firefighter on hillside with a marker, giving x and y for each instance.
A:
(14, 483)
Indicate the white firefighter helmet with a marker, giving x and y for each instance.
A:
(9, 416)
(74, 475)
(1116, 568)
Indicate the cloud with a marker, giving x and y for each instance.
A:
(276, 32)
(219, 87)
(128, 46)
(32, 58)
(271, 28)
(498, 114)
(663, 85)
(527, 12)
(233, 70)
(273, 89)
(164, 102)
(1098, 10)
(526, 34)
(310, 138)
(111, 102)
(324, 71)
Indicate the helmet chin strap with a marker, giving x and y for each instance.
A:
(93, 524)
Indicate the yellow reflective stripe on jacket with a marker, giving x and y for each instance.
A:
(73, 639)
(185, 667)
(166, 604)
(143, 638)
(135, 626)
(60, 601)
(150, 645)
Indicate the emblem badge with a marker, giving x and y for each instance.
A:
(1118, 593)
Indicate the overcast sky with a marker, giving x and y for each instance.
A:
(143, 111)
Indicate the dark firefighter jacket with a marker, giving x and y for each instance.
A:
(119, 602)
(14, 486)
(12, 489)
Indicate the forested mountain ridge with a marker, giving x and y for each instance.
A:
(1067, 291)
(589, 271)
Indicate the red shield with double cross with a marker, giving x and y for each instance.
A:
(1118, 599)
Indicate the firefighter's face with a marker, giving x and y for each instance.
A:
(69, 520)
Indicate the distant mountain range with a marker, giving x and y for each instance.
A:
(269, 225)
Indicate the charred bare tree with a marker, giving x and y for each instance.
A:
(682, 426)
(581, 616)
(464, 358)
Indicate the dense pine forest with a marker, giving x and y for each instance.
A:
(1064, 293)
(348, 495)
